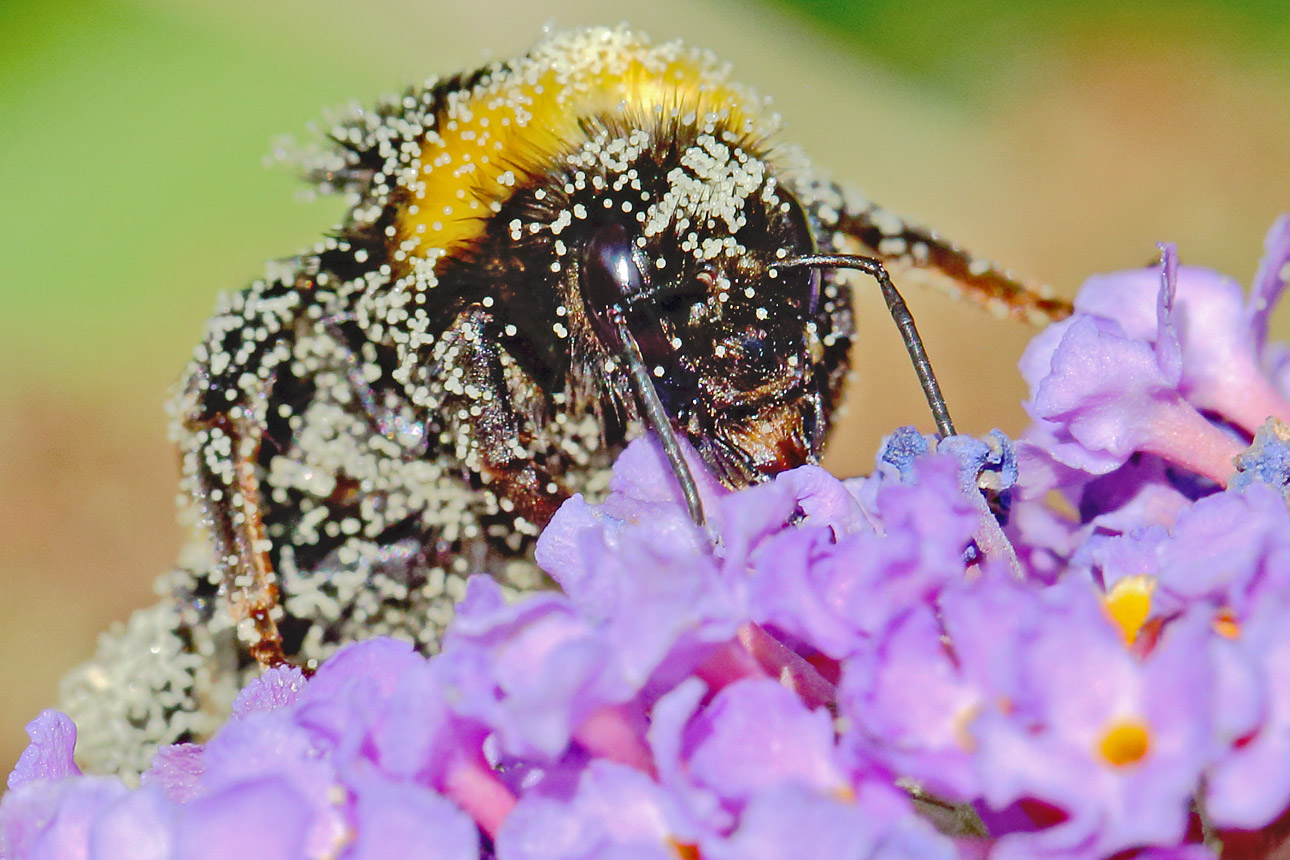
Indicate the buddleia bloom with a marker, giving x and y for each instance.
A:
(900, 665)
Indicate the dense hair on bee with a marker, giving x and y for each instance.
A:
(535, 253)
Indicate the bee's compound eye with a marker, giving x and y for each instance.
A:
(611, 278)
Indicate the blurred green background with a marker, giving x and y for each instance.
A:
(1063, 139)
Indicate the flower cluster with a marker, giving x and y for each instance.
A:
(1155, 384)
(864, 668)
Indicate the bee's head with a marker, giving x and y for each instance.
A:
(745, 358)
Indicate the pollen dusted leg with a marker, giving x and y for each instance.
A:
(484, 424)
(221, 432)
(911, 251)
(226, 475)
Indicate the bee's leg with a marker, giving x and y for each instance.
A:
(483, 424)
(904, 246)
(222, 413)
(228, 491)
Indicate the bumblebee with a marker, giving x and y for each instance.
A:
(543, 259)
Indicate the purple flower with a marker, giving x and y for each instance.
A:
(139, 827)
(408, 820)
(46, 820)
(261, 765)
(49, 755)
(1224, 566)
(1115, 743)
(756, 734)
(792, 821)
(1172, 363)
(1249, 785)
(653, 681)
(264, 817)
(615, 811)
(836, 588)
(176, 771)
(1014, 694)
(909, 709)
(1102, 393)
(539, 674)
(277, 688)
(836, 666)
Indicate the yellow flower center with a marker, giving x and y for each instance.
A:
(1125, 743)
(1129, 603)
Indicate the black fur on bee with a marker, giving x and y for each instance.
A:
(542, 260)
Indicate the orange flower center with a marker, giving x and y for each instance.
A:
(1225, 623)
(684, 850)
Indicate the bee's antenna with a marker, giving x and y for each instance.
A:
(899, 313)
(656, 418)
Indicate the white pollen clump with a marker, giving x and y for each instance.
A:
(887, 222)
(892, 246)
